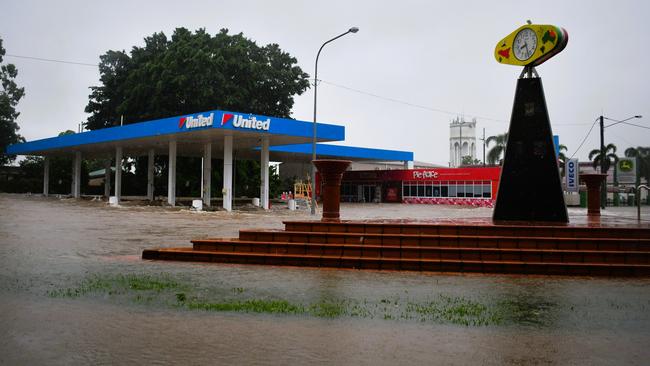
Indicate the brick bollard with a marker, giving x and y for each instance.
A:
(331, 172)
(594, 181)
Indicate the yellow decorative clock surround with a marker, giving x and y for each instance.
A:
(531, 45)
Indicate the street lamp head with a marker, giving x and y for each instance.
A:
(638, 116)
(353, 30)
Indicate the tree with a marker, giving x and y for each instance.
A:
(467, 160)
(194, 72)
(188, 73)
(31, 179)
(595, 157)
(643, 159)
(562, 158)
(494, 155)
(9, 97)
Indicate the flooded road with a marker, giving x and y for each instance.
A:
(73, 291)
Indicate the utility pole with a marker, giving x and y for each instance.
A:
(603, 188)
(483, 139)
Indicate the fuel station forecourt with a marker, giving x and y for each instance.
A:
(203, 134)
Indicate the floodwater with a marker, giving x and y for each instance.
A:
(48, 244)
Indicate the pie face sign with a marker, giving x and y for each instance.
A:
(531, 45)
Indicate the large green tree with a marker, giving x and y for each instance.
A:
(9, 97)
(192, 72)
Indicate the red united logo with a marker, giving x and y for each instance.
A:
(225, 118)
(191, 122)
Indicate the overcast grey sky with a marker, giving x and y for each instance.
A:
(436, 54)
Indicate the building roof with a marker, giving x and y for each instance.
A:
(190, 131)
(347, 152)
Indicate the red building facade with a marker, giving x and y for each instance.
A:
(449, 186)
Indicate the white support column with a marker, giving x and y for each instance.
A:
(150, 176)
(118, 173)
(107, 178)
(207, 173)
(77, 174)
(264, 173)
(46, 176)
(227, 173)
(171, 174)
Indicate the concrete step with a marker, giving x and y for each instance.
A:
(465, 241)
(424, 252)
(410, 264)
(479, 228)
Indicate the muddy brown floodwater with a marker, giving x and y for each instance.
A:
(62, 302)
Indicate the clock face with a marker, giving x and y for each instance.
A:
(525, 44)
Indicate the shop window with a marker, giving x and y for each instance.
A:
(414, 189)
(487, 190)
(452, 189)
(460, 189)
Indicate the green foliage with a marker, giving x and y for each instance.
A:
(152, 289)
(188, 73)
(562, 158)
(455, 310)
(467, 160)
(499, 149)
(10, 95)
(275, 183)
(250, 306)
(119, 284)
(31, 179)
(609, 157)
(328, 309)
(192, 72)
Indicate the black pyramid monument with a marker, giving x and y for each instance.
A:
(530, 188)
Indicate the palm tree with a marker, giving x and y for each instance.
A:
(562, 158)
(595, 157)
(494, 155)
(643, 159)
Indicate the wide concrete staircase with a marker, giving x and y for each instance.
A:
(429, 246)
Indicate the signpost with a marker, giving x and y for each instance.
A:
(572, 173)
(626, 170)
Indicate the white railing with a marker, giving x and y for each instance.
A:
(638, 200)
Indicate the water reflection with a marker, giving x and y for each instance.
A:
(50, 244)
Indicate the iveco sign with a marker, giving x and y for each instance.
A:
(572, 173)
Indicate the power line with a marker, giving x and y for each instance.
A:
(52, 60)
(429, 108)
(585, 139)
(635, 125)
(393, 100)
(398, 101)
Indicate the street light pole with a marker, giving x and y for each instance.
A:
(313, 141)
(603, 189)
